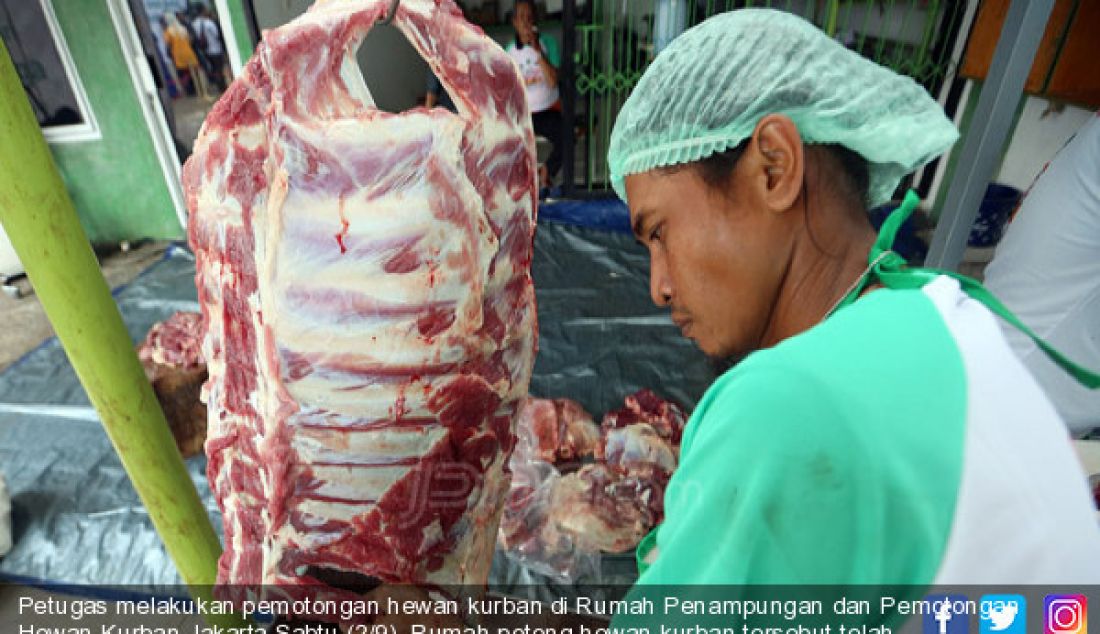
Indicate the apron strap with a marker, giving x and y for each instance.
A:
(892, 271)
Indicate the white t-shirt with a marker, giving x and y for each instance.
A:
(1047, 271)
(540, 94)
(209, 30)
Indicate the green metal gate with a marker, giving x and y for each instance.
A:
(609, 43)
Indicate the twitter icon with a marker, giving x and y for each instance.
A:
(1003, 614)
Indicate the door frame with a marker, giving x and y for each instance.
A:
(229, 37)
(149, 100)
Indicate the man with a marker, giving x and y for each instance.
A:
(210, 41)
(877, 429)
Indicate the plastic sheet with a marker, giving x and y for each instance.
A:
(77, 519)
(75, 516)
(600, 336)
(610, 214)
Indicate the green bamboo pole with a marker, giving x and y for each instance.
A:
(830, 20)
(39, 218)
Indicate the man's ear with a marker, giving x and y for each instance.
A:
(777, 162)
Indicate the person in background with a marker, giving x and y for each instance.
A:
(186, 21)
(538, 58)
(183, 56)
(209, 39)
(1047, 270)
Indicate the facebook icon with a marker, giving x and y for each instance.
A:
(946, 614)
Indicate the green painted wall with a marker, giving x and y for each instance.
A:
(115, 182)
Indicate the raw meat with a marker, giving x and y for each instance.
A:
(637, 449)
(644, 436)
(580, 436)
(641, 446)
(555, 431)
(644, 406)
(171, 356)
(601, 510)
(524, 531)
(553, 520)
(365, 277)
(176, 341)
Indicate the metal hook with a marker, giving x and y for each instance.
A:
(393, 13)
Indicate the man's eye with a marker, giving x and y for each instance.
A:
(655, 235)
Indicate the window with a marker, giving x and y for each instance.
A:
(34, 41)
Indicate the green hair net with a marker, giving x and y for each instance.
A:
(705, 93)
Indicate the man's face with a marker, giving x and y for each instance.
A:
(523, 18)
(715, 260)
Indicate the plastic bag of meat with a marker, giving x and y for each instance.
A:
(529, 532)
(365, 278)
(557, 431)
(560, 518)
(644, 406)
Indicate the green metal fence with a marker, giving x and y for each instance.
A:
(609, 43)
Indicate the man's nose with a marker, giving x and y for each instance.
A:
(660, 286)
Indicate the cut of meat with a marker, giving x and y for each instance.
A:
(365, 279)
(645, 433)
(555, 431)
(580, 435)
(523, 526)
(638, 448)
(644, 406)
(553, 520)
(600, 510)
(171, 356)
(537, 434)
(176, 341)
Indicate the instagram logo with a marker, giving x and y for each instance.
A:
(1065, 614)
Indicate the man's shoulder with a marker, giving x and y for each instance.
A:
(882, 348)
(881, 328)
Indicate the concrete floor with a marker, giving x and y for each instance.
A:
(28, 325)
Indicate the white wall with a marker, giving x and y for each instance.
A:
(1036, 139)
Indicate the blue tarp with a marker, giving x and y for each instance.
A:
(609, 214)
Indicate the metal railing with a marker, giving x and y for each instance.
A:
(609, 43)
